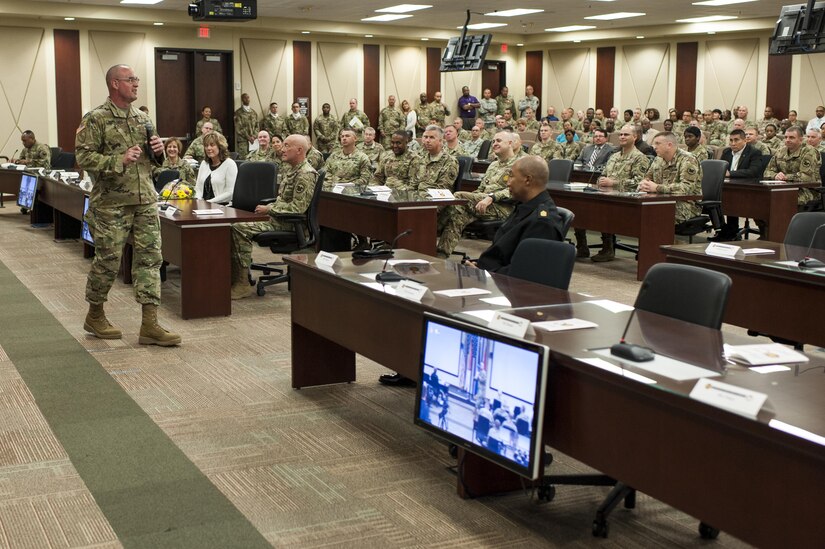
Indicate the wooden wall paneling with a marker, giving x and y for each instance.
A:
(605, 77)
(67, 81)
(687, 55)
(433, 72)
(212, 78)
(534, 66)
(302, 74)
(174, 78)
(779, 85)
(372, 75)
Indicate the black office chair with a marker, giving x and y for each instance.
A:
(165, 177)
(256, 183)
(547, 262)
(55, 151)
(284, 242)
(64, 161)
(701, 299)
(465, 163)
(567, 218)
(560, 170)
(802, 231)
(713, 175)
(484, 150)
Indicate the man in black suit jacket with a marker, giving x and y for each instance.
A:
(744, 162)
(600, 147)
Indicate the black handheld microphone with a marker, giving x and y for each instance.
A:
(165, 205)
(629, 351)
(389, 276)
(808, 261)
(150, 130)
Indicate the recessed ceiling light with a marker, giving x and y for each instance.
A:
(513, 13)
(141, 2)
(68, 18)
(711, 32)
(367, 36)
(577, 41)
(570, 28)
(304, 32)
(706, 19)
(519, 44)
(404, 8)
(639, 37)
(617, 15)
(386, 17)
(721, 2)
(479, 26)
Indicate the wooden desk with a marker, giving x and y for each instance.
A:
(699, 459)
(772, 299)
(775, 203)
(9, 182)
(385, 220)
(650, 218)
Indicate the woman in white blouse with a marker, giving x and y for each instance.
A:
(412, 118)
(217, 173)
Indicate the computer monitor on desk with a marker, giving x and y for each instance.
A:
(464, 369)
(28, 191)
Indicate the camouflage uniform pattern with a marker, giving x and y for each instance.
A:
(395, 171)
(682, 175)
(773, 143)
(453, 219)
(455, 153)
(268, 155)
(626, 169)
(679, 128)
(801, 165)
(296, 189)
(325, 129)
(488, 111)
(298, 125)
(570, 150)
(464, 135)
(761, 147)
(122, 201)
(524, 102)
(471, 148)
(434, 172)
(216, 126)
(38, 156)
(344, 168)
(700, 152)
(764, 122)
(246, 126)
(185, 171)
(315, 158)
(390, 120)
(347, 118)
(715, 132)
(275, 125)
(438, 112)
(533, 125)
(504, 103)
(195, 149)
(548, 151)
(373, 153)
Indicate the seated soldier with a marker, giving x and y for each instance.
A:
(265, 152)
(674, 171)
(34, 154)
(395, 168)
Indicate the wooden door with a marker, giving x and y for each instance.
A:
(174, 99)
(493, 76)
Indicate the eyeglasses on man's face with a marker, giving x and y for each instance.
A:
(131, 80)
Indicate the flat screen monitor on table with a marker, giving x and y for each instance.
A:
(28, 191)
(484, 392)
(85, 234)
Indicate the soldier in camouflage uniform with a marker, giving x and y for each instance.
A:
(570, 147)
(622, 173)
(265, 152)
(370, 147)
(390, 120)
(451, 144)
(433, 169)
(814, 139)
(692, 135)
(504, 101)
(771, 140)
(422, 112)
(326, 129)
(111, 145)
(533, 125)
(297, 123)
(547, 147)
(355, 120)
(472, 146)
(273, 122)
(681, 125)
(674, 172)
(458, 124)
(768, 119)
(752, 137)
(174, 161)
(530, 101)
(796, 161)
(347, 165)
(246, 127)
(488, 109)
(314, 156)
(395, 167)
(438, 111)
(489, 202)
(195, 149)
(34, 154)
(297, 185)
(206, 114)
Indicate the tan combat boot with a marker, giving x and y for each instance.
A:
(97, 324)
(607, 252)
(581, 243)
(151, 333)
(240, 284)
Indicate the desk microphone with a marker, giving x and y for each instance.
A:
(389, 276)
(13, 155)
(629, 351)
(809, 261)
(165, 205)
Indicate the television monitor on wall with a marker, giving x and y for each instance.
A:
(465, 53)
(85, 234)
(28, 191)
(483, 391)
(800, 29)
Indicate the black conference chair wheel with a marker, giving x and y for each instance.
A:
(600, 528)
(630, 500)
(547, 492)
(706, 531)
(260, 290)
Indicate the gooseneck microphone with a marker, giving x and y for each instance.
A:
(165, 205)
(809, 261)
(630, 351)
(13, 156)
(389, 276)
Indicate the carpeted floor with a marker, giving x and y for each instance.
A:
(109, 444)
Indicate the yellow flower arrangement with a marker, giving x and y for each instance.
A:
(181, 192)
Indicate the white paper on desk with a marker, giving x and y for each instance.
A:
(385, 288)
(500, 301)
(769, 369)
(757, 251)
(379, 188)
(393, 262)
(383, 197)
(486, 314)
(611, 306)
(562, 325)
(605, 365)
(664, 366)
(440, 194)
(462, 292)
(211, 211)
(719, 249)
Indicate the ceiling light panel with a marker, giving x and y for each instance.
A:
(513, 13)
(404, 8)
(707, 19)
(617, 15)
(571, 28)
(141, 2)
(386, 17)
(481, 26)
(717, 3)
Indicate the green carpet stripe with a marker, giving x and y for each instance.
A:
(150, 492)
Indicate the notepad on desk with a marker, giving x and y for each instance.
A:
(210, 211)
(575, 186)
(563, 325)
(762, 354)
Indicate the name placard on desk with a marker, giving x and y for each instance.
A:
(511, 325)
(722, 250)
(326, 259)
(412, 290)
(728, 397)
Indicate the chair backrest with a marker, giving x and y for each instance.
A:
(523, 427)
(256, 181)
(713, 175)
(312, 218)
(802, 230)
(567, 218)
(684, 292)
(484, 150)
(613, 139)
(560, 169)
(465, 163)
(55, 151)
(547, 262)
(64, 161)
(165, 177)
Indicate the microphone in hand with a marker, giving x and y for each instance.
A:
(150, 131)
